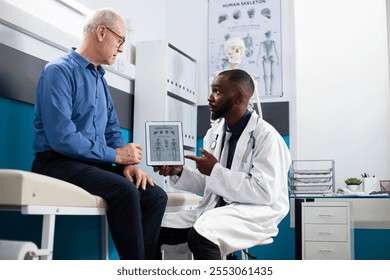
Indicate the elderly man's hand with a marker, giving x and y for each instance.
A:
(129, 154)
(132, 172)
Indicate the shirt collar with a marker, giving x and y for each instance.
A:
(83, 62)
(240, 126)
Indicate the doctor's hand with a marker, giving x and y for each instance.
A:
(205, 163)
(129, 154)
(132, 172)
(167, 170)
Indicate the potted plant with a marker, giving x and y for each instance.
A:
(353, 183)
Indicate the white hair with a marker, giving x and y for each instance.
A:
(104, 16)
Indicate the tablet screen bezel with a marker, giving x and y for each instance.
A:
(164, 132)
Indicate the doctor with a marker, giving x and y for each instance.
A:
(243, 181)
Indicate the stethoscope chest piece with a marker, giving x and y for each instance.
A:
(213, 144)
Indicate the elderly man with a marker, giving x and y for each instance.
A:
(78, 138)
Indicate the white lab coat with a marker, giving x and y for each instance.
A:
(255, 189)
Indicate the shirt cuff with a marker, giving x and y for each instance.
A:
(110, 155)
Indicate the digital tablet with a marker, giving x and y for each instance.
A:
(164, 143)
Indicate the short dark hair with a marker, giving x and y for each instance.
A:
(240, 78)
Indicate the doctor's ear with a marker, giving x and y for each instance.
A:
(239, 98)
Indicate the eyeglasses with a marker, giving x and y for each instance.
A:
(122, 39)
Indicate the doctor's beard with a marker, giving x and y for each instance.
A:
(217, 114)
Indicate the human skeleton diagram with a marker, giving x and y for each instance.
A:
(248, 41)
(269, 57)
(158, 149)
(165, 145)
(234, 50)
(174, 149)
(222, 60)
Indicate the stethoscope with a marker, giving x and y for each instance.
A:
(214, 143)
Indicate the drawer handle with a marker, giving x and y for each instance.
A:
(325, 233)
(325, 215)
(328, 250)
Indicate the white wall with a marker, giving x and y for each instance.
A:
(342, 86)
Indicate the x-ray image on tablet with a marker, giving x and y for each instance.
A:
(164, 143)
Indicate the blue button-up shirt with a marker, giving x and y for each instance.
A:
(74, 112)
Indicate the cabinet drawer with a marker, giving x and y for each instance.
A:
(326, 251)
(325, 232)
(328, 215)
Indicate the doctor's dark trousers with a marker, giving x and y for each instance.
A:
(134, 216)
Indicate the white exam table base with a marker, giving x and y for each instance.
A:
(49, 214)
(35, 194)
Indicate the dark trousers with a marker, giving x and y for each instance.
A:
(201, 247)
(134, 216)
